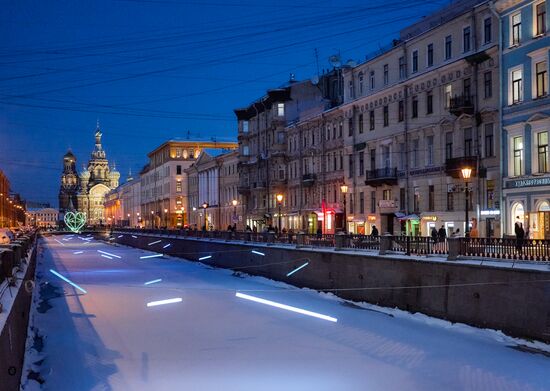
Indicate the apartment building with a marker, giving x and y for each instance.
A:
(213, 199)
(525, 116)
(123, 204)
(415, 115)
(164, 192)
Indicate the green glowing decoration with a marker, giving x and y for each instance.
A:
(75, 221)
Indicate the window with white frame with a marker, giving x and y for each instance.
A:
(448, 47)
(415, 61)
(515, 35)
(280, 109)
(487, 30)
(541, 79)
(430, 55)
(245, 126)
(542, 152)
(515, 94)
(517, 155)
(540, 18)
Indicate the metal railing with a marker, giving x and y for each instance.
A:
(506, 248)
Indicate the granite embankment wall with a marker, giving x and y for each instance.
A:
(516, 301)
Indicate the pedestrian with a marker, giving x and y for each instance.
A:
(434, 234)
(520, 234)
(319, 233)
(229, 228)
(374, 231)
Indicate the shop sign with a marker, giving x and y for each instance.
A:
(528, 182)
(371, 217)
(387, 204)
(490, 212)
(429, 218)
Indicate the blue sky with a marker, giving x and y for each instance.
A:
(152, 70)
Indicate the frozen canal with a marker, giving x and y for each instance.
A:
(110, 339)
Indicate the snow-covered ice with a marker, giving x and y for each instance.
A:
(108, 339)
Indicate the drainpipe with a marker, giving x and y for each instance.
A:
(502, 207)
(476, 127)
(406, 117)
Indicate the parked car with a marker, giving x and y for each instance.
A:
(6, 236)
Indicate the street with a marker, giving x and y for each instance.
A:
(123, 335)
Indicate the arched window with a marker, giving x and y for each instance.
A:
(517, 216)
(544, 206)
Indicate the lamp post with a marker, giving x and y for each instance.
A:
(235, 202)
(129, 220)
(279, 203)
(466, 173)
(205, 206)
(152, 216)
(344, 190)
(165, 218)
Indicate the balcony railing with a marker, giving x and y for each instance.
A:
(381, 176)
(462, 104)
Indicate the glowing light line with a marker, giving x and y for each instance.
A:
(119, 236)
(134, 236)
(206, 257)
(285, 307)
(106, 256)
(59, 242)
(167, 245)
(153, 281)
(106, 253)
(67, 280)
(155, 242)
(151, 256)
(259, 253)
(298, 268)
(78, 252)
(167, 301)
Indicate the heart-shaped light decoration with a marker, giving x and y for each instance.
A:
(75, 221)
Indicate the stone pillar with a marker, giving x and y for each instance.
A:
(340, 239)
(300, 239)
(385, 243)
(454, 248)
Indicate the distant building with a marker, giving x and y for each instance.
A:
(12, 207)
(44, 217)
(164, 192)
(525, 116)
(123, 204)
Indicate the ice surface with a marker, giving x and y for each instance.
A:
(108, 339)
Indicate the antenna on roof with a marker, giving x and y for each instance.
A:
(335, 60)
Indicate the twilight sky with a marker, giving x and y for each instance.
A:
(153, 70)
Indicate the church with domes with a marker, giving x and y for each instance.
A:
(86, 192)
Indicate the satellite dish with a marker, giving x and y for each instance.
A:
(351, 63)
(335, 61)
(315, 80)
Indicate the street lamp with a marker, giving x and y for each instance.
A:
(279, 202)
(344, 190)
(466, 173)
(165, 218)
(235, 202)
(152, 216)
(205, 206)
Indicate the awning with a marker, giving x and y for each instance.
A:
(399, 215)
(410, 217)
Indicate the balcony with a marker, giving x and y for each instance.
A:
(454, 165)
(308, 179)
(462, 104)
(381, 176)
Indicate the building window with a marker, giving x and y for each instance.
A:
(430, 150)
(517, 87)
(431, 197)
(402, 198)
(373, 202)
(386, 116)
(450, 197)
(489, 140)
(429, 102)
(488, 84)
(541, 18)
(416, 204)
(415, 148)
(518, 155)
(541, 70)
(361, 163)
(430, 59)
(386, 74)
(280, 109)
(516, 29)
(360, 123)
(466, 36)
(401, 111)
(415, 107)
(178, 187)
(350, 127)
(372, 80)
(245, 126)
(415, 61)
(467, 88)
(448, 47)
(350, 86)
(178, 170)
(246, 150)
(448, 95)
(468, 142)
(402, 68)
(448, 145)
(386, 194)
(350, 164)
(542, 150)
(340, 127)
(487, 31)
(386, 160)
(371, 120)
(360, 83)
(373, 159)
(361, 202)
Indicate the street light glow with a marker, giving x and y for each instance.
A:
(466, 172)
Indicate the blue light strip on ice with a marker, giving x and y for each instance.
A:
(106, 256)
(167, 301)
(206, 257)
(167, 245)
(258, 253)
(153, 281)
(109, 254)
(298, 268)
(78, 252)
(59, 242)
(67, 280)
(155, 242)
(151, 256)
(134, 236)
